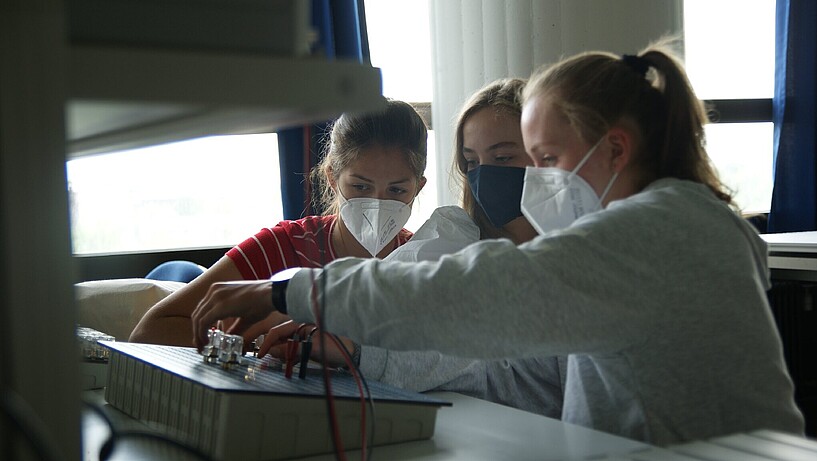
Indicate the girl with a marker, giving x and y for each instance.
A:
(372, 169)
(487, 133)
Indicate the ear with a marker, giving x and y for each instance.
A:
(420, 185)
(330, 178)
(622, 146)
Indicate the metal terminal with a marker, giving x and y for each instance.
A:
(89, 347)
(232, 349)
(223, 348)
(210, 351)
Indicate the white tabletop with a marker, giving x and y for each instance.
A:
(796, 242)
(472, 429)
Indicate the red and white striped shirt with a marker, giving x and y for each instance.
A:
(306, 242)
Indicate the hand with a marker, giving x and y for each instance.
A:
(276, 339)
(253, 332)
(250, 302)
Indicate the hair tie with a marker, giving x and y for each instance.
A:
(636, 63)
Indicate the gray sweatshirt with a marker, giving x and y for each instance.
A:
(659, 302)
(532, 384)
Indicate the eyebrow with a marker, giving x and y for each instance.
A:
(493, 147)
(364, 178)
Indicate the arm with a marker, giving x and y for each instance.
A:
(422, 370)
(168, 322)
(532, 384)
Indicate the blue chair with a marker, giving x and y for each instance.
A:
(176, 271)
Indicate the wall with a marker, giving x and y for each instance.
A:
(476, 42)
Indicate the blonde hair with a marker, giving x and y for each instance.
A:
(398, 125)
(597, 90)
(505, 96)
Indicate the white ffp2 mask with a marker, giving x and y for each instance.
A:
(374, 222)
(552, 198)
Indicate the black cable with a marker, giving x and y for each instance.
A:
(29, 424)
(110, 443)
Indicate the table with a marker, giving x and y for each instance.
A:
(472, 429)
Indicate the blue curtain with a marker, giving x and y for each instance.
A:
(794, 200)
(341, 25)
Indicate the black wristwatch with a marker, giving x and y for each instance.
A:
(280, 280)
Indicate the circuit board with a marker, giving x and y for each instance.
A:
(250, 410)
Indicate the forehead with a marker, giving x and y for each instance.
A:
(489, 126)
(543, 122)
(380, 163)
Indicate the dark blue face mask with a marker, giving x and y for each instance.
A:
(498, 190)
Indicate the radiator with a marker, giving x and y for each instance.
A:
(793, 307)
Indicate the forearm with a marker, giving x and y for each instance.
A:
(169, 321)
(422, 370)
(168, 330)
(532, 384)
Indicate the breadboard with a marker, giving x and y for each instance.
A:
(251, 411)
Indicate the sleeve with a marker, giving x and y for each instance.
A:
(462, 303)
(533, 384)
(421, 370)
(448, 230)
(262, 255)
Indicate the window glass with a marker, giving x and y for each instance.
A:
(743, 155)
(402, 51)
(401, 48)
(207, 192)
(729, 54)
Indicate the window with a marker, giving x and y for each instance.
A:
(183, 195)
(732, 57)
(402, 51)
(207, 192)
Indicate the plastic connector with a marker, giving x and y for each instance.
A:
(90, 350)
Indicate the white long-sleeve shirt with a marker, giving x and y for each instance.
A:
(659, 301)
(533, 384)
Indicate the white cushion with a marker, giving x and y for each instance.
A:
(116, 306)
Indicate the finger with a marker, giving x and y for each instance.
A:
(277, 335)
(199, 340)
(238, 327)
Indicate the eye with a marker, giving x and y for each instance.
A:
(397, 190)
(360, 187)
(500, 159)
(470, 164)
(549, 160)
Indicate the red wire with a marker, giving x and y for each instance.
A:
(330, 399)
(355, 375)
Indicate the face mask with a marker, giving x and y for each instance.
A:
(498, 190)
(374, 222)
(553, 198)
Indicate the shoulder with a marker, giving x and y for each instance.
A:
(307, 225)
(404, 236)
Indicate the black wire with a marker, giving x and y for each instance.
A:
(29, 424)
(110, 443)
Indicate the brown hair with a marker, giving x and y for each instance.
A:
(398, 125)
(503, 95)
(596, 90)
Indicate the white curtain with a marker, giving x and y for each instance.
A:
(477, 41)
